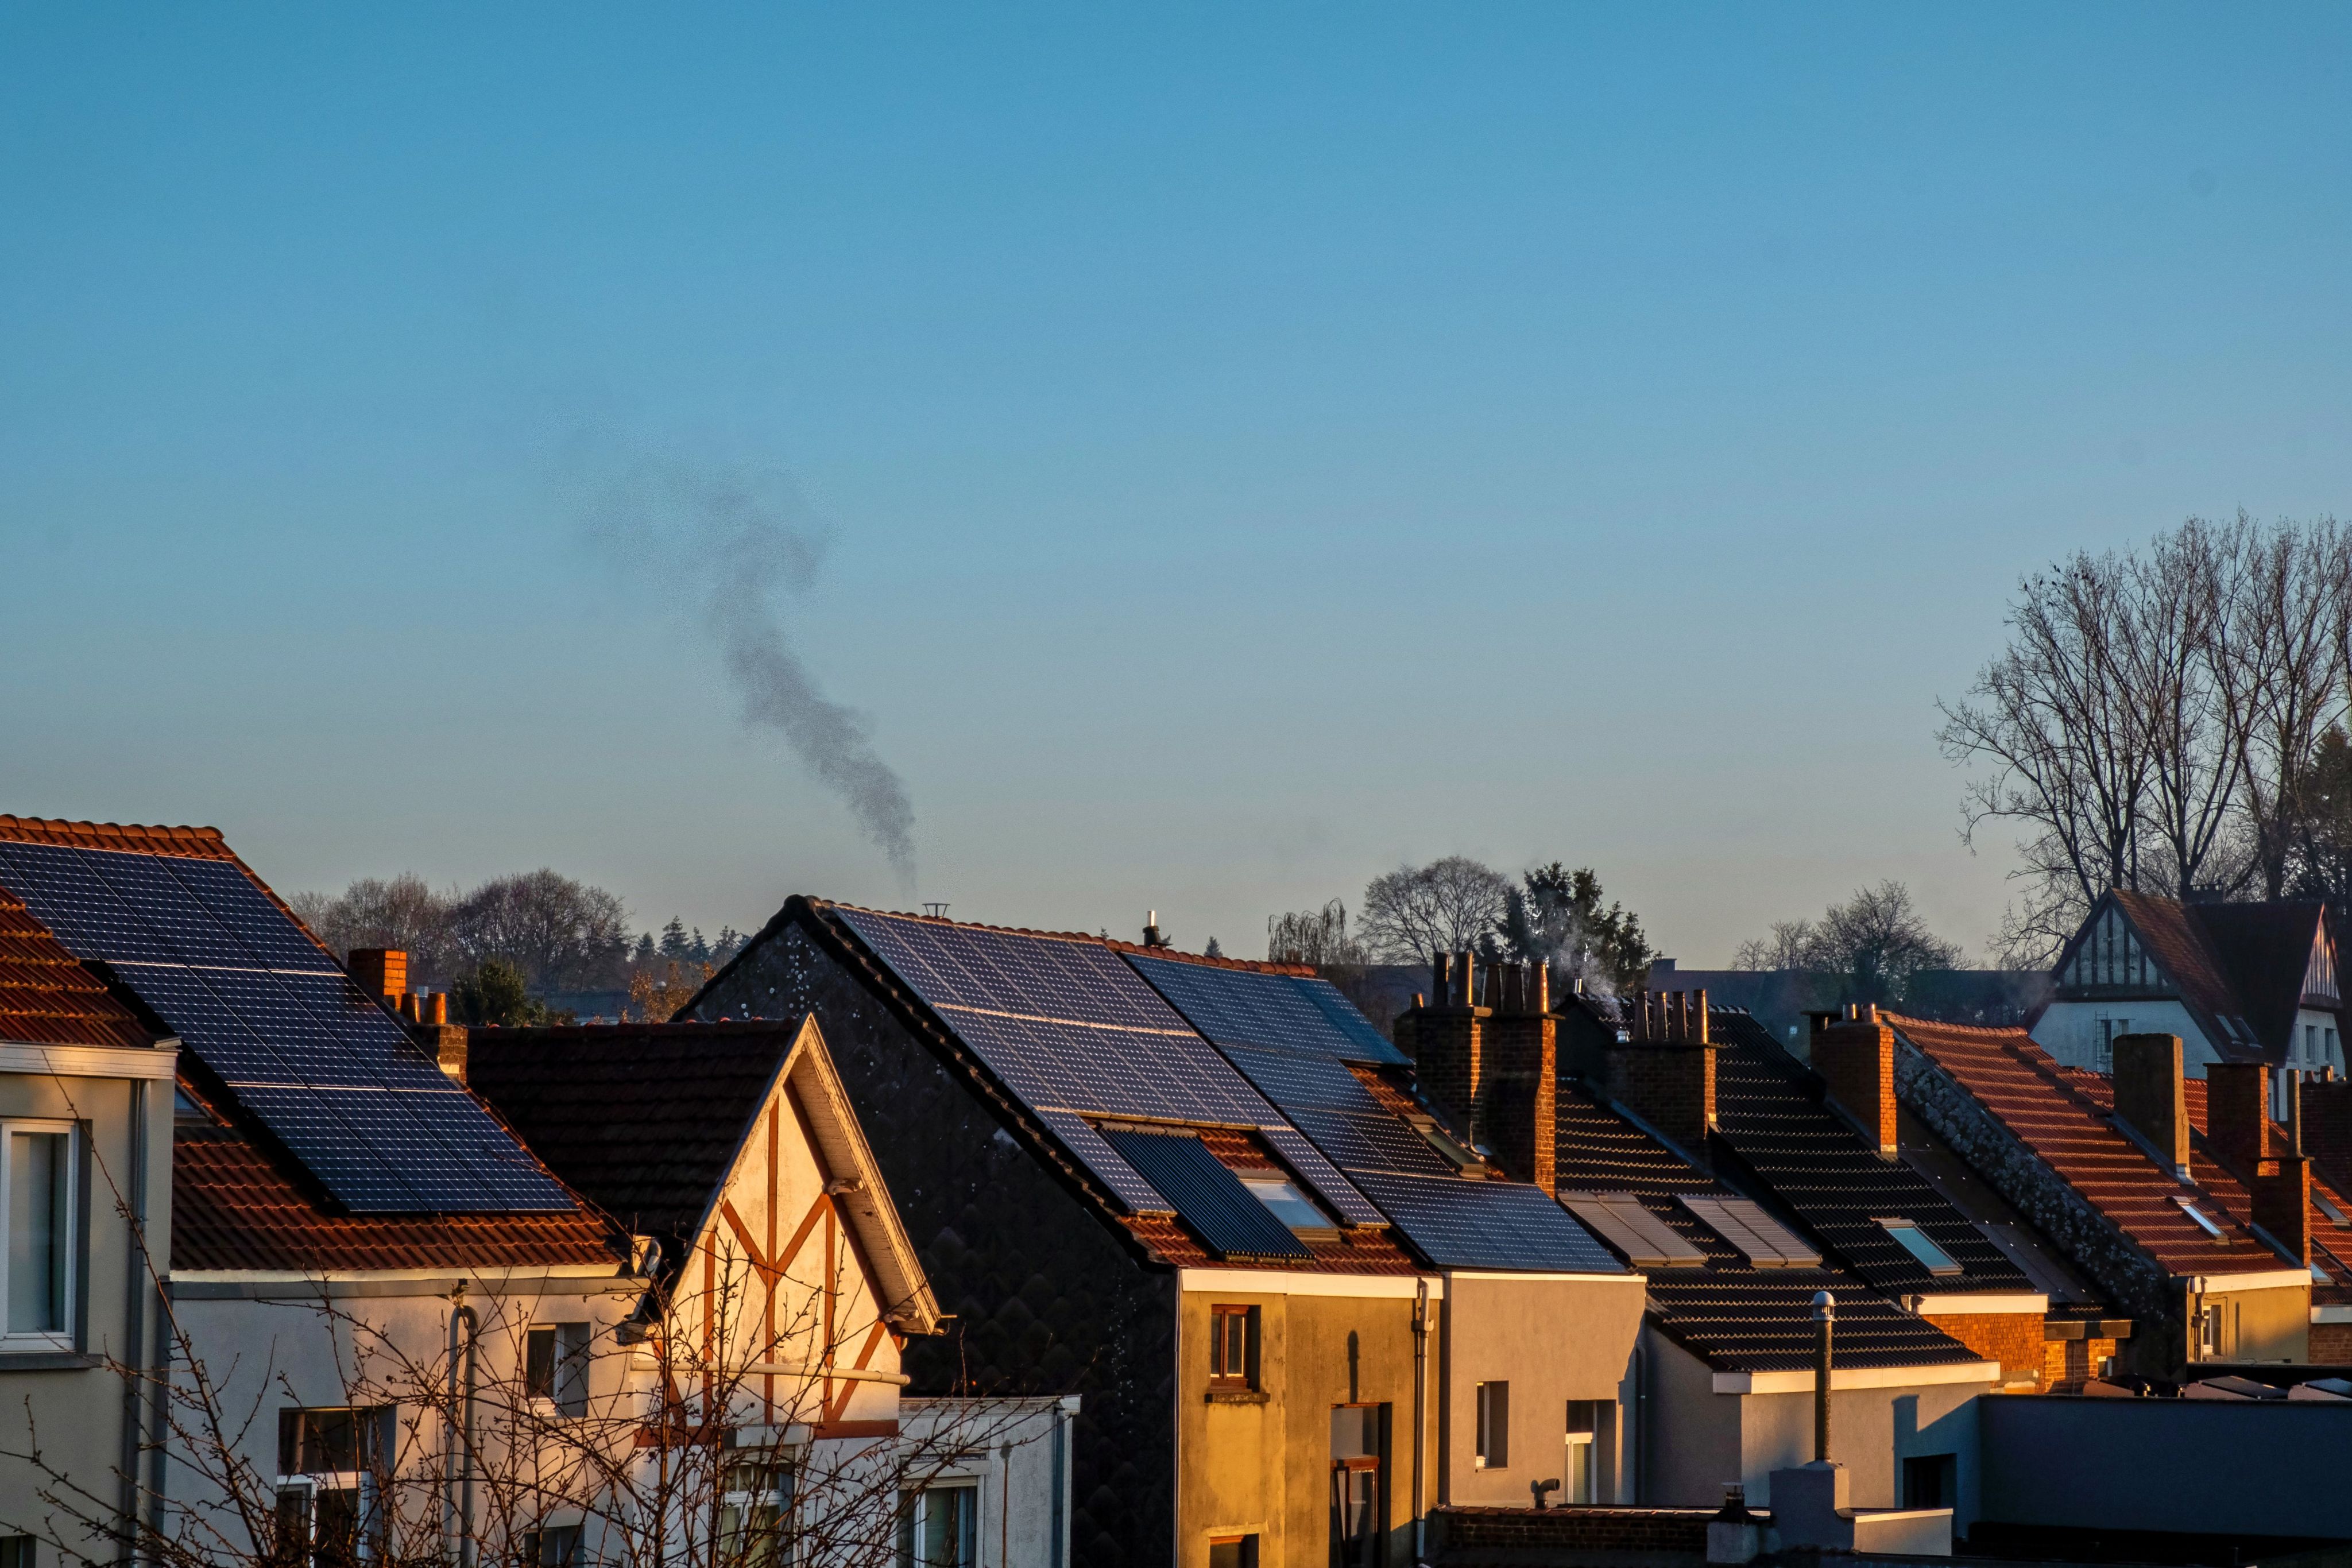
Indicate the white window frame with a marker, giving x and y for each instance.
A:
(569, 1369)
(781, 1468)
(1493, 1428)
(913, 1543)
(374, 1426)
(69, 1242)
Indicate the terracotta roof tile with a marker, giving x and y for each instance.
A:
(2065, 1115)
(196, 843)
(46, 997)
(233, 1208)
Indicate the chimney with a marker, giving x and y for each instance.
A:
(2238, 1113)
(381, 973)
(1449, 1042)
(1856, 1061)
(1517, 1098)
(2282, 1201)
(2148, 1096)
(1663, 1072)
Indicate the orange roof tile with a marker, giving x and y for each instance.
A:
(47, 997)
(2065, 1115)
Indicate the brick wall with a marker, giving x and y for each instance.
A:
(1669, 1084)
(1519, 1098)
(2068, 1364)
(1448, 1059)
(2331, 1344)
(2013, 1339)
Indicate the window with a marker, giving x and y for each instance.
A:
(326, 1489)
(939, 1527)
(555, 1366)
(1646, 1240)
(1920, 1245)
(2328, 1207)
(1359, 1471)
(1288, 1204)
(2108, 1029)
(1581, 1478)
(1763, 1240)
(2332, 1059)
(16, 1551)
(1494, 1425)
(2217, 1330)
(553, 1546)
(36, 1195)
(1233, 1347)
(1233, 1552)
(754, 1515)
(1931, 1481)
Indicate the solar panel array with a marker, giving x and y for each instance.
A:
(264, 1009)
(1209, 1198)
(1287, 1037)
(1072, 1031)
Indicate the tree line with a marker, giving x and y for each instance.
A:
(512, 938)
(2169, 719)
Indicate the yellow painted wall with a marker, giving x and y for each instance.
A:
(1552, 1341)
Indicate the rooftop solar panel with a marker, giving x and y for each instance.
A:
(268, 1012)
(1209, 1198)
(1126, 1183)
(1460, 1224)
(1647, 1241)
(1247, 1006)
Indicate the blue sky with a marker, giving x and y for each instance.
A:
(1255, 445)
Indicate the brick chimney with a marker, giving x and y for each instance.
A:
(1488, 1057)
(1856, 1058)
(2281, 1200)
(2148, 1095)
(1663, 1070)
(1520, 1062)
(2238, 1113)
(381, 973)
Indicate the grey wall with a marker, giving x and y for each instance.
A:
(2212, 1466)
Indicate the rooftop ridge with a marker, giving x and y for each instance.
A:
(198, 843)
(1095, 938)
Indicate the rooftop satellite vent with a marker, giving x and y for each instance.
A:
(936, 911)
(1152, 936)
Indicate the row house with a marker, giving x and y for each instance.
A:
(85, 1215)
(2245, 983)
(1301, 1309)
(2182, 1197)
(375, 1322)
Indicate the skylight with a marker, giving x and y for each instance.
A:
(1920, 1245)
(2204, 1221)
(1288, 1205)
(2328, 1207)
(1764, 1241)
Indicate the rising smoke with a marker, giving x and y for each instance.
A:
(732, 543)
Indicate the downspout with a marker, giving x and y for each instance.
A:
(459, 1521)
(134, 1327)
(1420, 1415)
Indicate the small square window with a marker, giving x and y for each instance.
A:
(16, 1551)
(1233, 1347)
(1233, 1552)
(555, 1366)
(939, 1527)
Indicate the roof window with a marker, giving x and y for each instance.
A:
(1619, 1219)
(2328, 1207)
(2204, 1221)
(1920, 1245)
(1763, 1240)
(1283, 1199)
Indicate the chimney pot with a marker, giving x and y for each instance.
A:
(440, 1009)
(1465, 976)
(1698, 1011)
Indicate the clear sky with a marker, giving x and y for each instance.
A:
(1255, 445)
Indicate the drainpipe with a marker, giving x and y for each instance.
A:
(134, 1327)
(1824, 1315)
(460, 1518)
(1420, 1415)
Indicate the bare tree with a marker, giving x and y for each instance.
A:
(1317, 936)
(564, 934)
(403, 912)
(1868, 949)
(1446, 906)
(1789, 945)
(2177, 613)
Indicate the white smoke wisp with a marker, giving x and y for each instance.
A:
(731, 544)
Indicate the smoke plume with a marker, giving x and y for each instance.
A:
(731, 544)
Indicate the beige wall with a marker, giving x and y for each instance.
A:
(1552, 1340)
(77, 1411)
(1264, 1467)
(2270, 1325)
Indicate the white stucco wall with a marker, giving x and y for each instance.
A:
(2069, 1031)
(1015, 1455)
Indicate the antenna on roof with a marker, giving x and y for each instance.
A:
(936, 911)
(1152, 936)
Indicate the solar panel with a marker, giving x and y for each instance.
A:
(269, 1013)
(1763, 1240)
(1308, 1162)
(1246, 1007)
(1125, 1182)
(1647, 1241)
(1461, 1224)
(1209, 1198)
(1370, 1141)
(1294, 1079)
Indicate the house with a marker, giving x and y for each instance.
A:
(733, 1149)
(347, 1222)
(84, 1214)
(2180, 1198)
(1724, 1382)
(1197, 1191)
(2237, 982)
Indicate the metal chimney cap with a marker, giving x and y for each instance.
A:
(1825, 1305)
